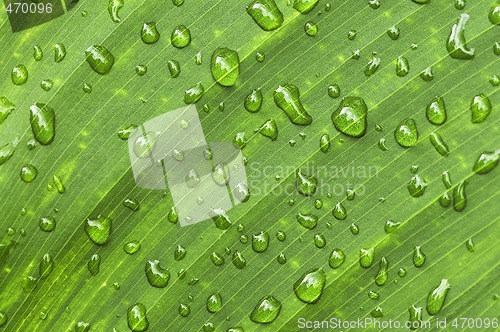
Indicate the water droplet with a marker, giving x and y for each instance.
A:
(469, 244)
(59, 184)
(59, 52)
(494, 14)
(46, 85)
(445, 199)
(87, 88)
(356, 55)
(334, 90)
(417, 185)
(132, 247)
(401, 272)
(157, 276)
(137, 319)
(391, 226)
(351, 34)
(141, 70)
(253, 101)
(418, 256)
(174, 68)
(304, 6)
(238, 260)
(181, 37)
(372, 66)
(287, 97)
(29, 283)
(94, 264)
(480, 108)
(220, 174)
(266, 14)
(439, 144)
(427, 74)
(436, 111)
(98, 229)
(214, 302)
(415, 317)
(460, 4)
(46, 266)
(319, 241)
(37, 53)
(421, 1)
(486, 162)
(100, 59)
(495, 80)
(281, 236)
(42, 119)
(393, 32)
(311, 28)
(193, 94)
(179, 253)
(217, 259)
(437, 296)
(366, 256)
(184, 310)
(19, 75)
(306, 185)
(456, 45)
(269, 129)
(125, 133)
(402, 66)
(382, 276)
(350, 116)
(243, 238)
(6, 107)
(406, 133)
(82, 327)
(260, 241)
(221, 219)
(198, 58)
(459, 197)
(149, 33)
(354, 229)
(47, 224)
(28, 173)
(318, 204)
(173, 217)
(496, 48)
(373, 295)
(266, 310)
(114, 7)
(177, 3)
(225, 66)
(309, 287)
(339, 211)
(241, 192)
(381, 144)
(307, 220)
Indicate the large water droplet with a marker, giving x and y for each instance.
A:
(266, 14)
(391, 226)
(174, 68)
(417, 185)
(415, 318)
(6, 151)
(406, 133)
(334, 90)
(225, 66)
(184, 310)
(309, 287)
(427, 74)
(307, 220)
(28, 173)
(19, 75)
(350, 116)
(436, 111)
(337, 258)
(221, 219)
(149, 33)
(260, 241)
(494, 14)
(304, 6)
(6, 107)
(287, 97)
(43, 123)
(402, 66)
(214, 303)
(100, 59)
(456, 45)
(437, 296)
(311, 28)
(157, 276)
(266, 310)
(339, 211)
(480, 108)
(366, 256)
(137, 319)
(98, 230)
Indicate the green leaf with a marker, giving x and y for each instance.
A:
(84, 169)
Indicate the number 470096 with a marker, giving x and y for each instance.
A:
(29, 8)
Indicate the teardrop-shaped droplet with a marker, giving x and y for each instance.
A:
(181, 36)
(157, 276)
(460, 4)
(287, 97)
(94, 264)
(436, 111)
(445, 199)
(437, 296)
(220, 174)
(141, 70)
(319, 241)
(172, 216)
(238, 260)
(415, 318)
(337, 258)
(137, 319)
(100, 59)
(339, 211)
(193, 94)
(372, 66)
(266, 14)
(480, 108)
(132, 247)
(260, 241)
(269, 129)
(324, 143)
(486, 162)
(217, 259)
(214, 303)
(114, 7)
(37, 53)
(456, 45)
(221, 219)
(494, 14)
(266, 310)
(59, 52)
(309, 287)
(19, 75)
(47, 224)
(406, 133)
(393, 32)
(98, 230)
(28, 173)
(402, 66)
(418, 256)
(334, 90)
(427, 74)
(306, 185)
(149, 33)
(253, 101)
(417, 185)
(46, 84)
(459, 197)
(366, 256)
(311, 28)
(382, 276)
(43, 123)
(350, 116)
(174, 68)
(439, 144)
(179, 253)
(192, 179)
(307, 220)
(225, 66)
(46, 266)
(469, 244)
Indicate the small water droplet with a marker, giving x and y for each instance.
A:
(157, 276)
(480, 108)
(401, 272)
(172, 216)
(59, 52)
(132, 247)
(494, 14)
(356, 55)
(125, 133)
(319, 241)
(418, 256)
(460, 4)
(354, 229)
(137, 319)
(307, 220)
(406, 134)
(87, 88)
(372, 66)
(437, 296)
(19, 75)
(306, 185)
(456, 44)
(221, 219)
(260, 57)
(47, 224)
(193, 94)
(28, 173)
(415, 318)
(100, 59)
(339, 211)
(149, 33)
(373, 295)
(181, 37)
(382, 276)
(42, 120)
(238, 260)
(281, 236)
(98, 230)
(266, 14)
(114, 7)
(381, 144)
(393, 32)
(217, 259)
(427, 74)
(46, 84)
(309, 287)
(260, 241)
(94, 264)
(287, 98)
(46, 266)
(37, 53)
(266, 310)
(436, 111)
(350, 117)
(141, 70)
(391, 226)
(486, 162)
(179, 253)
(402, 66)
(469, 244)
(253, 101)
(214, 302)
(366, 256)
(311, 28)
(459, 197)
(269, 129)
(439, 144)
